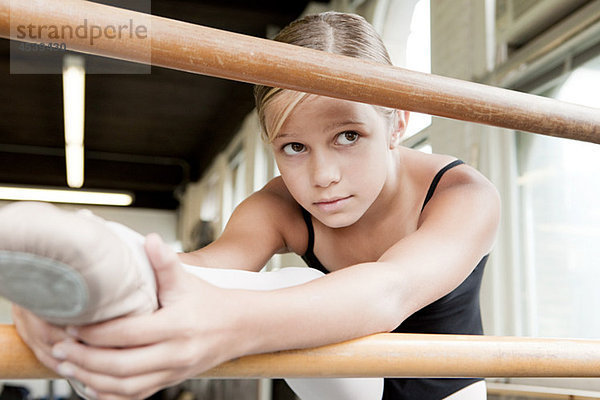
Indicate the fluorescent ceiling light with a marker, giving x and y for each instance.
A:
(74, 114)
(65, 196)
(74, 155)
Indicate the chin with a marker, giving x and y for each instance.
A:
(338, 221)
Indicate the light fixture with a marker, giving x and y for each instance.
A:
(74, 111)
(65, 196)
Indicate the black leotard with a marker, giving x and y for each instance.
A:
(457, 312)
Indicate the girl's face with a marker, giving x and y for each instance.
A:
(335, 156)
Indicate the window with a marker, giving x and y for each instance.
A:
(406, 33)
(423, 146)
(210, 200)
(237, 166)
(559, 193)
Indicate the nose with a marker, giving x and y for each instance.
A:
(324, 170)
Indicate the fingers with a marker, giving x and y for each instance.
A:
(167, 268)
(125, 362)
(31, 326)
(144, 329)
(105, 387)
(125, 373)
(135, 372)
(44, 355)
(39, 335)
(131, 331)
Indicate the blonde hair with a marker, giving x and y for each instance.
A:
(334, 32)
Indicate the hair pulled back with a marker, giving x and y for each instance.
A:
(334, 32)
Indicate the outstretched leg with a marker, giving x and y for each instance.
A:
(74, 268)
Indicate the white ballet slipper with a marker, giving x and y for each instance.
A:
(72, 268)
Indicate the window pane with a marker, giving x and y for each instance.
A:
(407, 36)
(559, 188)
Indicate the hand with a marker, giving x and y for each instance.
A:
(133, 357)
(39, 335)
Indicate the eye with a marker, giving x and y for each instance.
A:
(348, 137)
(293, 148)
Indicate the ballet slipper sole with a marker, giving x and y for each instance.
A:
(46, 287)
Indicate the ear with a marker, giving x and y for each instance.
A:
(399, 127)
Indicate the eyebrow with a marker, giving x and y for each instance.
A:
(328, 127)
(343, 123)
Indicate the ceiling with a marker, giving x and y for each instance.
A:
(146, 133)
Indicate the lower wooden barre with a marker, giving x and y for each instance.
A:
(381, 355)
(197, 49)
(17, 361)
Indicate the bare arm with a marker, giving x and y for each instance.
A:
(460, 224)
(252, 235)
(200, 325)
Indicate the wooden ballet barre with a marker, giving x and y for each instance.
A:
(381, 355)
(197, 49)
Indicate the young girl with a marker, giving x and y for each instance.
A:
(401, 237)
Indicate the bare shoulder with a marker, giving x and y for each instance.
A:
(460, 177)
(275, 198)
(277, 208)
(468, 179)
(277, 190)
(260, 226)
(464, 201)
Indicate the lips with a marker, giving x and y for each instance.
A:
(332, 204)
(332, 200)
